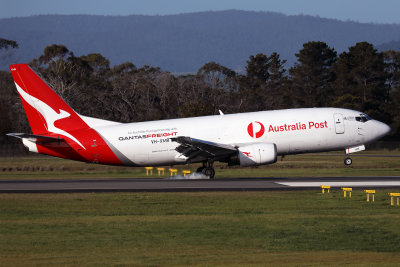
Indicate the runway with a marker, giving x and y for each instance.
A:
(191, 185)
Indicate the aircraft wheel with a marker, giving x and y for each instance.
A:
(208, 171)
(348, 161)
(200, 169)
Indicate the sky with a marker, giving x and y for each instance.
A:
(375, 11)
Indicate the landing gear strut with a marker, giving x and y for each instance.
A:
(348, 161)
(200, 169)
(207, 169)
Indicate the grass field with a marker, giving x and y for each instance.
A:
(380, 163)
(288, 228)
(285, 228)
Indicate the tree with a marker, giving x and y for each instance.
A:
(99, 64)
(193, 96)
(54, 53)
(222, 86)
(312, 76)
(262, 81)
(4, 48)
(5, 44)
(361, 73)
(8, 117)
(257, 69)
(276, 91)
(6, 100)
(59, 68)
(218, 76)
(392, 67)
(123, 68)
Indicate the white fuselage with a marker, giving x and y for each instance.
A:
(293, 131)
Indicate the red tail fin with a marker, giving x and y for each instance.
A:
(57, 129)
(46, 111)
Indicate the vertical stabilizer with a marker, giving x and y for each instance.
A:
(46, 111)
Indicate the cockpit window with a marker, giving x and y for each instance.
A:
(363, 118)
(368, 117)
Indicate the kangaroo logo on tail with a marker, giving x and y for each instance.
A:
(49, 114)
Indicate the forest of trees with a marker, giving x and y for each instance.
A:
(361, 78)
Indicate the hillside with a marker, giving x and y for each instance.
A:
(183, 43)
(392, 45)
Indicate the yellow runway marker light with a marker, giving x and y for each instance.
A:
(149, 170)
(325, 187)
(370, 192)
(392, 195)
(160, 171)
(186, 172)
(345, 190)
(173, 171)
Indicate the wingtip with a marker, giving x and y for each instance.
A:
(16, 135)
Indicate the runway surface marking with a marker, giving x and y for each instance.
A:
(339, 184)
(160, 185)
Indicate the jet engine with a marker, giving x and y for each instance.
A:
(255, 154)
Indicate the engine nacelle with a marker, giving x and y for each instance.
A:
(257, 154)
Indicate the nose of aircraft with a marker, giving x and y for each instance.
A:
(381, 129)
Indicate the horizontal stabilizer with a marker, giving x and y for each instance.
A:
(39, 139)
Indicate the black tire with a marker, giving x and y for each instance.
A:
(348, 161)
(200, 169)
(209, 172)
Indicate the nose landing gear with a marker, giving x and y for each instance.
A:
(348, 161)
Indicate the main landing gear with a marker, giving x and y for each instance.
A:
(348, 161)
(207, 169)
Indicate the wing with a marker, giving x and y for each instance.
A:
(197, 150)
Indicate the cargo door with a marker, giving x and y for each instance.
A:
(339, 124)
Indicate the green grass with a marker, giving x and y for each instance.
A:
(326, 164)
(295, 228)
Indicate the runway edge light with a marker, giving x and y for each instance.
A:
(370, 192)
(325, 187)
(392, 195)
(345, 190)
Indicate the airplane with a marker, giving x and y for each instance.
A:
(245, 139)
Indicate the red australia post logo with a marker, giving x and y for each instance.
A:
(256, 129)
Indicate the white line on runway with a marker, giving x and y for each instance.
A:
(347, 183)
